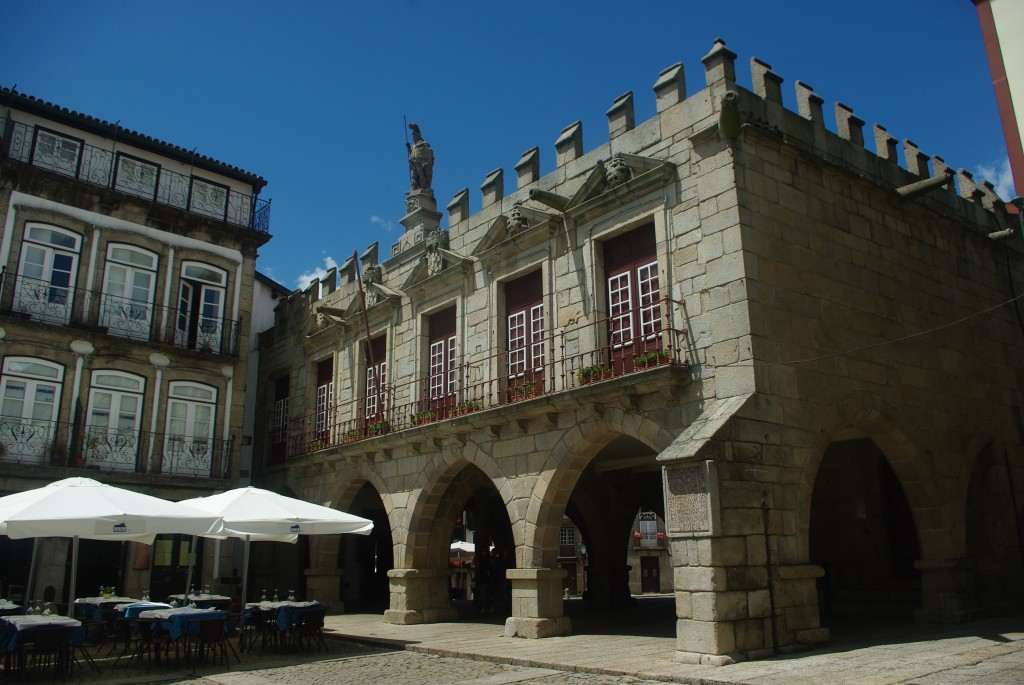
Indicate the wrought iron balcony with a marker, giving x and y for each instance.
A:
(52, 303)
(47, 443)
(97, 166)
(571, 358)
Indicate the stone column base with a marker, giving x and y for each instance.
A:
(948, 615)
(410, 617)
(517, 626)
(419, 595)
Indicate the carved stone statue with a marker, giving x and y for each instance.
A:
(421, 160)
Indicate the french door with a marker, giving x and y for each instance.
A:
(634, 297)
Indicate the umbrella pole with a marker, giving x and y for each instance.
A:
(191, 565)
(74, 575)
(27, 599)
(245, 590)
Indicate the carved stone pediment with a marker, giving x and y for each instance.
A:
(438, 266)
(523, 225)
(618, 181)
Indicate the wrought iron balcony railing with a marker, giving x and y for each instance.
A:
(56, 443)
(571, 358)
(91, 164)
(53, 303)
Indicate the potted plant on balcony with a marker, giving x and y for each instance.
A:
(589, 374)
(522, 391)
(351, 435)
(422, 417)
(378, 428)
(316, 445)
(652, 358)
(465, 408)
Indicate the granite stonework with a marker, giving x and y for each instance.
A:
(843, 366)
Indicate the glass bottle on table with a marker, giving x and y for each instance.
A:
(276, 598)
(291, 595)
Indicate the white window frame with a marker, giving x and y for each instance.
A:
(136, 176)
(199, 283)
(209, 198)
(56, 151)
(185, 451)
(114, 447)
(129, 315)
(41, 295)
(28, 436)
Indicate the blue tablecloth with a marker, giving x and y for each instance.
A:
(179, 621)
(13, 629)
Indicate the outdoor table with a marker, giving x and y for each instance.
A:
(204, 601)
(133, 609)
(178, 622)
(8, 607)
(15, 630)
(285, 615)
(182, 622)
(92, 607)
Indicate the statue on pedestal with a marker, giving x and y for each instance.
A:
(421, 160)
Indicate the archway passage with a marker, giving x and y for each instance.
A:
(476, 515)
(617, 506)
(366, 559)
(862, 533)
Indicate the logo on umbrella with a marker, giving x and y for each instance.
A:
(296, 528)
(120, 528)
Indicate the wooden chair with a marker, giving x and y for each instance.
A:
(213, 638)
(45, 649)
(311, 628)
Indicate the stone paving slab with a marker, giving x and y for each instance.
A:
(990, 651)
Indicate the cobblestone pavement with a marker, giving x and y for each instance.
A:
(349, 663)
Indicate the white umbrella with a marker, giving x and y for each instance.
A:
(252, 513)
(85, 508)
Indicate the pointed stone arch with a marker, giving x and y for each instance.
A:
(913, 466)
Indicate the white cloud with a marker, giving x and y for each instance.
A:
(999, 175)
(303, 279)
(383, 223)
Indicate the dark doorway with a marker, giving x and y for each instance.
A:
(170, 565)
(650, 579)
(862, 533)
(366, 559)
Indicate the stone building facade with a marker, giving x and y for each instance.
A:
(798, 353)
(125, 298)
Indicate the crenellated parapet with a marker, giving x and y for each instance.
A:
(763, 106)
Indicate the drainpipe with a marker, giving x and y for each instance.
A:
(81, 350)
(159, 362)
(229, 373)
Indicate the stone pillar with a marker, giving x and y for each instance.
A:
(419, 595)
(620, 117)
(885, 144)
(797, 614)
(947, 591)
(569, 145)
(670, 88)
(767, 83)
(536, 603)
(849, 125)
(324, 583)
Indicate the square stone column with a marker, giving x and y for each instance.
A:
(536, 603)
(947, 591)
(419, 595)
(324, 583)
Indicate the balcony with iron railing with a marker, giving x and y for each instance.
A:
(35, 442)
(144, 179)
(569, 362)
(63, 305)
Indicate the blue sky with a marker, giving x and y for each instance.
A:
(311, 95)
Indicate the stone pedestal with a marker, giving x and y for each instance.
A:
(421, 218)
(947, 591)
(798, 616)
(325, 585)
(419, 596)
(536, 603)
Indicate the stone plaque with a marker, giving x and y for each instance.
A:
(688, 499)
